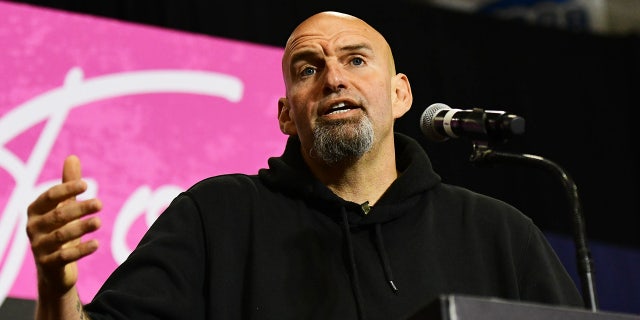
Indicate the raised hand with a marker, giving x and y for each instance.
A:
(56, 223)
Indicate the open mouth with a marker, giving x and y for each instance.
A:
(340, 107)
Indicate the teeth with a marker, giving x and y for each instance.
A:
(338, 108)
(339, 105)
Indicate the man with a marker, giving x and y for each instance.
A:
(350, 222)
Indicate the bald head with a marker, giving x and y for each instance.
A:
(328, 26)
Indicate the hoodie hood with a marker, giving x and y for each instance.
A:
(290, 174)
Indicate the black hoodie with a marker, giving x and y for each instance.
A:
(281, 245)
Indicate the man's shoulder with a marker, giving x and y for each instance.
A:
(225, 182)
(480, 204)
(226, 191)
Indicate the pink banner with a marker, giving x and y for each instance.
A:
(148, 111)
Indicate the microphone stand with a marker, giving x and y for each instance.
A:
(482, 153)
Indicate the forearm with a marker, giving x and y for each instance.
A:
(65, 307)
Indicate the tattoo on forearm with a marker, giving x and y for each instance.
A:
(80, 309)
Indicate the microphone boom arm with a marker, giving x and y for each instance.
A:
(482, 154)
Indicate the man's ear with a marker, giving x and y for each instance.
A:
(402, 97)
(287, 126)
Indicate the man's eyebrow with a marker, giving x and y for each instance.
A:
(356, 47)
(306, 55)
(303, 55)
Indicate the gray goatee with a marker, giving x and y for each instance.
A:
(342, 140)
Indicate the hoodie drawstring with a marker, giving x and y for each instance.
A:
(355, 281)
(384, 258)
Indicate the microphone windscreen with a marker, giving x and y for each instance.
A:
(427, 124)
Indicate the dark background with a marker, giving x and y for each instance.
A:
(578, 91)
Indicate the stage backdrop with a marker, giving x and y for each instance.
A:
(148, 111)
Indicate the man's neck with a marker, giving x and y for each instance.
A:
(365, 179)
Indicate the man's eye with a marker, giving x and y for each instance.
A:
(308, 71)
(357, 61)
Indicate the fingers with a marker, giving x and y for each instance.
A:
(71, 186)
(63, 245)
(74, 253)
(55, 195)
(59, 216)
(56, 236)
(55, 222)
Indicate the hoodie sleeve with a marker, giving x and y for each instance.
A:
(164, 276)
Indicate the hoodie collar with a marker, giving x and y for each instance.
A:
(290, 174)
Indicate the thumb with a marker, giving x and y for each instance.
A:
(71, 169)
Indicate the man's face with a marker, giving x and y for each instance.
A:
(339, 76)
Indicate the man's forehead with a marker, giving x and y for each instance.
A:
(333, 42)
(328, 25)
(342, 29)
(332, 27)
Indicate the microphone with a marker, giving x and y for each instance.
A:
(439, 123)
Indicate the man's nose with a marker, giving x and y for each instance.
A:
(334, 77)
